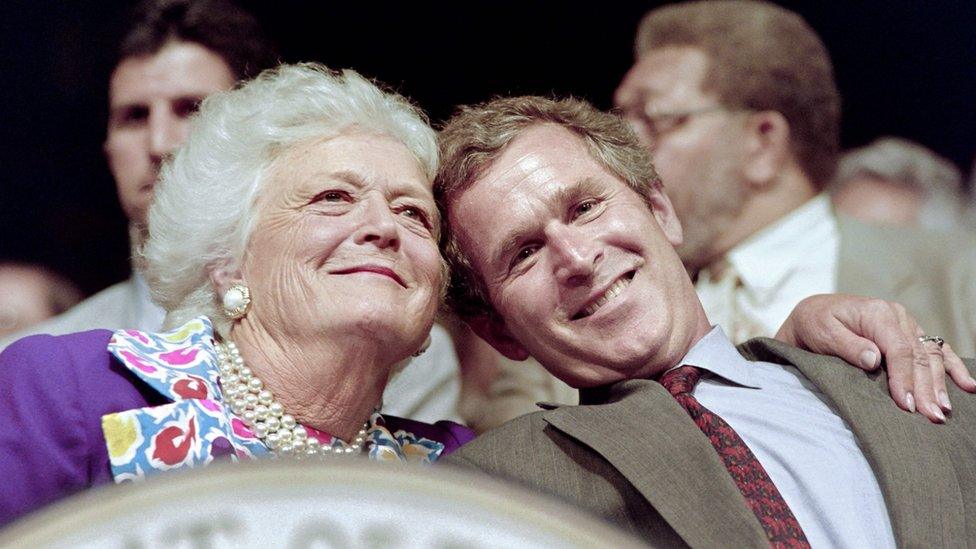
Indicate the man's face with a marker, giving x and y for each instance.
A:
(581, 269)
(150, 100)
(878, 202)
(696, 150)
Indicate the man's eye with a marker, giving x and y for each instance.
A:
(185, 107)
(666, 123)
(131, 116)
(584, 208)
(636, 118)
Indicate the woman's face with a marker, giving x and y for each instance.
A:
(346, 245)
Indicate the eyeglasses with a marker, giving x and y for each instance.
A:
(655, 124)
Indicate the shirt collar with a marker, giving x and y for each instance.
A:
(716, 354)
(199, 426)
(765, 260)
(178, 364)
(713, 353)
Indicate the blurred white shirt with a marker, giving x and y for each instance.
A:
(762, 279)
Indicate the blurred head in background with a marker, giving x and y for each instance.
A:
(175, 54)
(895, 181)
(30, 294)
(737, 103)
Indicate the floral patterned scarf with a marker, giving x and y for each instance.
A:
(198, 427)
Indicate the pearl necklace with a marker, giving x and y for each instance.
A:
(266, 416)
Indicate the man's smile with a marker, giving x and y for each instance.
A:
(606, 296)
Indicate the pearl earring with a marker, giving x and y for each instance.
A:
(237, 301)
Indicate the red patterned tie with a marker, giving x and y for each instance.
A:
(761, 494)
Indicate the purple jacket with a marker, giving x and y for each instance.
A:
(53, 394)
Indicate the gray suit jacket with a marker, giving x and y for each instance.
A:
(632, 455)
(932, 275)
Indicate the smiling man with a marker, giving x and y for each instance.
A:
(594, 324)
(678, 437)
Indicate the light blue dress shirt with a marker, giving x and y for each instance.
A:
(808, 451)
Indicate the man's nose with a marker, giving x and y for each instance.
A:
(379, 226)
(575, 256)
(166, 132)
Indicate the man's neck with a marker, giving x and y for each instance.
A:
(763, 208)
(137, 237)
(670, 355)
(612, 391)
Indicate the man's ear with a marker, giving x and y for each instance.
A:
(664, 213)
(223, 276)
(497, 335)
(767, 147)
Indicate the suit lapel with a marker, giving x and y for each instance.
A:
(924, 502)
(653, 443)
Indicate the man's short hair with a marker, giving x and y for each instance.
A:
(475, 137)
(760, 57)
(218, 25)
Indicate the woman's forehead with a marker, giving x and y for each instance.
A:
(364, 160)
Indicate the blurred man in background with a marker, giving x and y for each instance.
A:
(737, 102)
(174, 54)
(895, 181)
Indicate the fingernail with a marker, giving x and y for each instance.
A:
(868, 360)
(944, 400)
(937, 412)
(911, 402)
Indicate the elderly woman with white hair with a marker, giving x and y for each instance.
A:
(293, 243)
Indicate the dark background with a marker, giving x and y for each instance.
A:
(904, 68)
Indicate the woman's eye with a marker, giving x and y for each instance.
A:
(416, 214)
(335, 196)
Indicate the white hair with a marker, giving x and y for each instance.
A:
(204, 206)
(914, 167)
